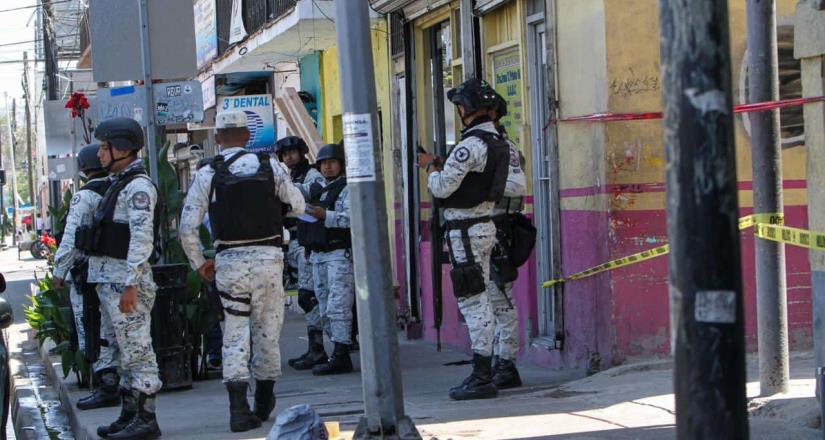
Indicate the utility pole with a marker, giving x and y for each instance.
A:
(771, 300)
(702, 211)
(13, 172)
(50, 56)
(380, 363)
(149, 113)
(2, 204)
(31, 159)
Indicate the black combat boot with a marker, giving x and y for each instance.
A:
(106, 394)
(506, 375)
(264, 399)
(317, 354)
(479, 385)
(241, 417)
(339, 362)
(128, 410)
(144, 426)
(306, 354)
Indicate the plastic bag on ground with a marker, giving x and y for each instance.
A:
(299, 422)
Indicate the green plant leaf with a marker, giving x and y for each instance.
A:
(66, 362)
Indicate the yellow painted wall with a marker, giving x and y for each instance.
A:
(582, 89)
(633, 151)
(332, 130)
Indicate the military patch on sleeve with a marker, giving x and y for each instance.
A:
(515, 162)
(75, 199)
(141, 200)
(461, 154)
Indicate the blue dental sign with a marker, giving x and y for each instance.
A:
(259, 116)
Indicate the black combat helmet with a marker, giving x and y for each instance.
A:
(87, 161)
(122, 133)
(331, 151)
(500, 107)
(289, 143)
(474, 95)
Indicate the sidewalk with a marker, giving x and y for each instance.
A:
(628, 402)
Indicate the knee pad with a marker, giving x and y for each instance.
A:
(307, 300)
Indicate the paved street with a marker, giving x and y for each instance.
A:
(629, 402)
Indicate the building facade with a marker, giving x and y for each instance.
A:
(596, 189)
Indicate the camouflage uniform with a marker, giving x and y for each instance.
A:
(135, 205)
(506, 342)
(297, 256)
(334, 279)
(470, 155)
(249, 277)
(81, 213)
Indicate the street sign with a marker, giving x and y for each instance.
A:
(178, 103)
(116, 36)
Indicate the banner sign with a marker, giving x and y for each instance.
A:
(237, 32)
(206, 31)
(507, 76)
(260, 117)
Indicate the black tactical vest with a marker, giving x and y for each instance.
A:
(317, 237)
(244, 208)
(99, 187)
(488, 185)
(108, 238)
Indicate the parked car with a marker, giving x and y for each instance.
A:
(6, 319)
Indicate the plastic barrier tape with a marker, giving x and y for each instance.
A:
(792, 236)
(772, 220)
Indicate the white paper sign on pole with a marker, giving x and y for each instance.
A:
(359, 148)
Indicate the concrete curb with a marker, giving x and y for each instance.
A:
(80, 432)
(27, 423)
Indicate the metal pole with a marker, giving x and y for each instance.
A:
(771, 301)
(468, 53)
(149, 111)
(702, 208)
(76, 179)
(380, 363)
(15, 204)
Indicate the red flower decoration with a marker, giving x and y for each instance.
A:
(78, 103)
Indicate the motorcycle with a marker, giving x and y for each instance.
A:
(42, 248)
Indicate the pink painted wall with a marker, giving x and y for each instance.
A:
(620, 314)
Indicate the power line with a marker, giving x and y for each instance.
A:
(35, 6)
(39, 40)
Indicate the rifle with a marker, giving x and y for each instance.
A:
(91, 311)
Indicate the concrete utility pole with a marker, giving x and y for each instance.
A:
(50, 56)
(13, 172)
(380, 363)
(30, 157)
(702, 207)
(771, 301)
(149, 113)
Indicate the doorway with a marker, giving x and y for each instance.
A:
(546, 205)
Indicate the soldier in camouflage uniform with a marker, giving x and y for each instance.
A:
(243, 193)
(119, 264)
(500, 290)
(292, 151)
(331, 244)
(68, 258)
(463, 184)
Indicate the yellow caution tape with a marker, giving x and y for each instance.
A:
(762, 219)
(792, 236)
(610, 265)
(291, 293)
